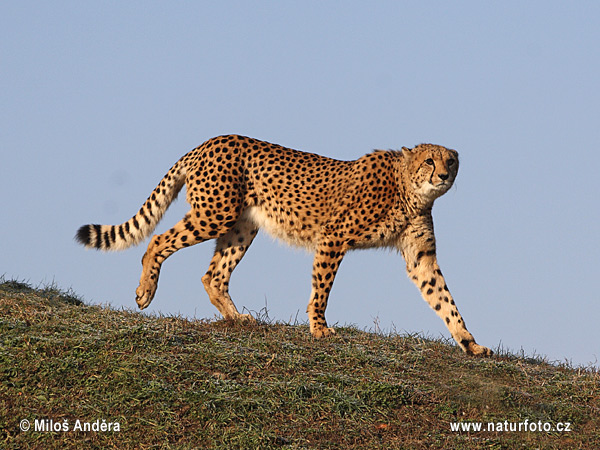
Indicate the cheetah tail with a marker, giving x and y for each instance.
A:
(140, 226)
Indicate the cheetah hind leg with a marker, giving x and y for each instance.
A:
(160, 248)
(229, 251)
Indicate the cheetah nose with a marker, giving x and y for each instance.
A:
(443, 176)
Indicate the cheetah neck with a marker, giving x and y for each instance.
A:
(408, 203)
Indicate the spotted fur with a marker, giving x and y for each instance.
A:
(236, 185)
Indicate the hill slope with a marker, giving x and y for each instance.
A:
(171, 383)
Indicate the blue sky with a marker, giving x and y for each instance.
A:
(99, 99)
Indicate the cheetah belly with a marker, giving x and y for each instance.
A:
(279, 229)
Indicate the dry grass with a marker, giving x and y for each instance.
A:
(175, 383)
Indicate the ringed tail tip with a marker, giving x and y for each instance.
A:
(84, 236)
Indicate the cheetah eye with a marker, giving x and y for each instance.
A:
(429, 161)
(451, 162)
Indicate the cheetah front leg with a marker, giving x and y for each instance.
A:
(325, 265)
(422, 267)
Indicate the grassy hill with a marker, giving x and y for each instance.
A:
(166, 382)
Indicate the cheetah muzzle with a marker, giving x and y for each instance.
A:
(236, 185)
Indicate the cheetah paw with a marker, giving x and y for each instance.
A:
(245, 318)
(143, 296)
(322, 332)
(478, 350)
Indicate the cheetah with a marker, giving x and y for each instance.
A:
(236, 185)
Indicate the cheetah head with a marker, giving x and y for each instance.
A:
(433, 169)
